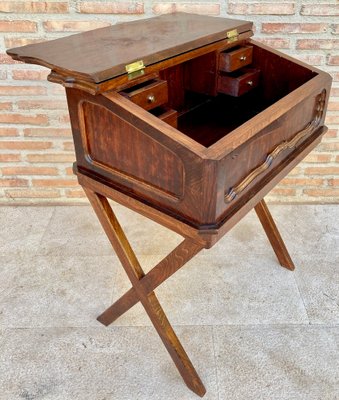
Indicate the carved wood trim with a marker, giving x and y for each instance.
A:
(310, 128)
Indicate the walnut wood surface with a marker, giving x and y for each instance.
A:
(162, 271)
(273, 235)
(149, 300)
(102, 54)
(232, 60)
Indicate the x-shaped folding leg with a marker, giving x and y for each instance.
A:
(143, 286)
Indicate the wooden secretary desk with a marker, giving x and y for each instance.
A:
(186, 120)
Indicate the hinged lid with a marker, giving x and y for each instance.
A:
(105, 53)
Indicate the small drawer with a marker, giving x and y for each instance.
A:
(167, 115)
(149, 94)
(235, 58)
(239, 82)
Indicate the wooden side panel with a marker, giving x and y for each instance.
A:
(114, 144)
(249, 164)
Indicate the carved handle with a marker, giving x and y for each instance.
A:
(310, 128)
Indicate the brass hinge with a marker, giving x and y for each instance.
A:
(232, 35)
(135, 69)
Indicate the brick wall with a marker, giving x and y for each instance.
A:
(36, 150)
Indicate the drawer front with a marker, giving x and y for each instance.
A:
(240, 83)
(149, 95)
(232, 60)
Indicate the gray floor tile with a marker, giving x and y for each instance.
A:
(55, 291)
(23, 228)
(224, 290)
(317, 276)
(98, 364)
(277, 363)
(76, 231)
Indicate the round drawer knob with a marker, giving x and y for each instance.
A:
(243, 58)
(151, 98)
(249, 83)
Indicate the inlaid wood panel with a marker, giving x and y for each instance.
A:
(124, 149)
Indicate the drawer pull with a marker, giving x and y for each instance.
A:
(151, 98)
(243, 58)
(310, 128)
(250, 83)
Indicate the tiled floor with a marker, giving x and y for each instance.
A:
(253, 330)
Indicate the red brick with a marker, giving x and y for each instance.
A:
(276, 43)
(197, 8)
(317, 158)
(25, 145)
(293, 28)
(283, 191)
(38, 119)
(332, 119)
(42, 104)
(261, 8)
(334, 92)
(33, 7)
(295, 171)
(17, 42)
(333, 182)
(320, 9)
(333, 106)
(13, 182)
(54, 182)
(29, 171)
(333, 60)
(32, 75)
(116, 7)
(22, 90)
(322, 171)
(4, 158)
(6, 106)
(329, 146)
(69, 171)
(73, 26)
(9, 131)
(68, 146)
(64, 119)
(75, 193)
(317, 44)
(322, 192)
(51, 158)
(302, 182)
(312, 59)
(18, 26)
(26, 194)
(331, 133)
(6, 59)
(47, 132)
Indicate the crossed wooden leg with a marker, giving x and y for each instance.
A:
(273, 235)
(143, 286)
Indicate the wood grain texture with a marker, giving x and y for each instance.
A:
(149, 300)
(162, 271)
(102, 54)
(273, 235)
(234, 59)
